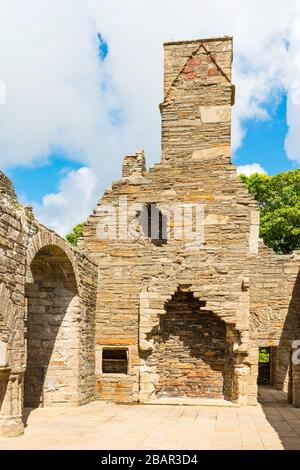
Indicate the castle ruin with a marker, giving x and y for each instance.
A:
(158, 315)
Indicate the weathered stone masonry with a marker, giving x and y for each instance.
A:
(136, 320)
(190, 351)
(47, 294)
(234, 278)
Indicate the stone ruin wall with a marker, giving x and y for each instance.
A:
(231, 276)
(275, 316)
(12, 272)
(21, 239)
(198, 95)
(137, 279)
(190, 352)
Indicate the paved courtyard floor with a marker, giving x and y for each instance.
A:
(273, 424)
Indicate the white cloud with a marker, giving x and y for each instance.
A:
(249, 170)
(76, 195)
(59, 95)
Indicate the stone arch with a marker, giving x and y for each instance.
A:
(47, 238)
(153, 300)
(52, 320)
(153, 308)
(190, 350)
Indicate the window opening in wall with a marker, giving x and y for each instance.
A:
(264, 366)
(154, 224)
(115, 361)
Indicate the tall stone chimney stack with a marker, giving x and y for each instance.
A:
(198, 95)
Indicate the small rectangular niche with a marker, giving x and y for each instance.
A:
(115, 361)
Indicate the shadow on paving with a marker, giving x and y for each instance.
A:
(26, 414)
(283, 417)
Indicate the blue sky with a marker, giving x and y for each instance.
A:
(32, 183)
(264, 141)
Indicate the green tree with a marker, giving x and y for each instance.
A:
(278, 198)
(264, 355)
(76, 233)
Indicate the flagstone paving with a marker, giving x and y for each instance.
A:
(270, 425)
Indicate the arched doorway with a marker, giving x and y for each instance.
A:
(191, 354)
(52, 330)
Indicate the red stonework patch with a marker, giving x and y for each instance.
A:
(213, 72)
(189, 68)
(191, 75)
(195, 61)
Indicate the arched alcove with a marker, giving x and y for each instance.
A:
(52, 330)
(190, 351)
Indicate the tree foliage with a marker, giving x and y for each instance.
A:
(278, 198)
(264, 356)
(76, 233)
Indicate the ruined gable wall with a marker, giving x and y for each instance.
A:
(137, 278)
(129, 268)
(196, 112)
